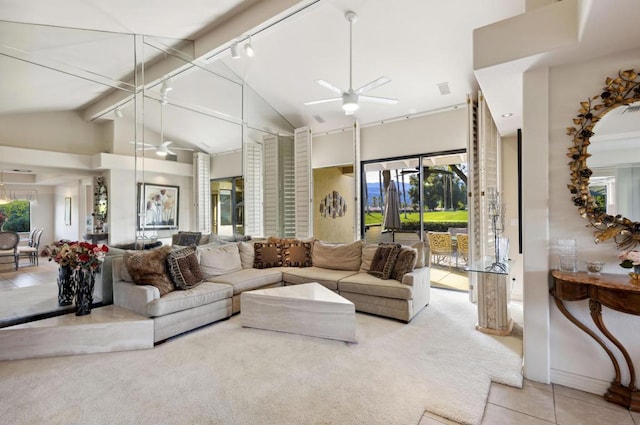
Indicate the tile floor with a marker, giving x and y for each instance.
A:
(541, 404)
(534, 404)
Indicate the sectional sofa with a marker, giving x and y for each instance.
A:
(393, 289)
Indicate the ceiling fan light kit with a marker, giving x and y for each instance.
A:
(350, 98)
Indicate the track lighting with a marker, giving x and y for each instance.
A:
(118, 113)
(248, 48)
(167, 86)
(234, 50)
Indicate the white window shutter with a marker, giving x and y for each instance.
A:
(303, 184)
(202, 191)
(253, 189)
(271, 188)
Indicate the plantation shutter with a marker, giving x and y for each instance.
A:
(303, 184)
(202, 191)
(253, 189)
(271, 186)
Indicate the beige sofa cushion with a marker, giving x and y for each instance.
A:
(249, 279)
(421, 253)
(205, 293)
(337, 256)
(364, 283)
(326, 277)
(247, 253)
(368, 251)
(217, 260)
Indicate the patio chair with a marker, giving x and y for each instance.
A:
(31, 251)
(9, 245)
(462, 240)
(441, 248)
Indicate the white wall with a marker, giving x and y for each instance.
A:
(575, 359)
(332, 149)
(438, 132)
(509, 180)
(54, 131)
(227, 165)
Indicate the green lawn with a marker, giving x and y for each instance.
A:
(434, 216)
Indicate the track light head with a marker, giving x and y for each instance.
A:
(234, 50)
(248, 48)
(118, 113)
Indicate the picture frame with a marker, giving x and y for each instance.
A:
(67, 211)
(158, 206)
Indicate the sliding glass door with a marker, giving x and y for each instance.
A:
(227, 204)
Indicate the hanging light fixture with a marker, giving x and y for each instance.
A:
(234, 50)
(248, 48)
(4, 196)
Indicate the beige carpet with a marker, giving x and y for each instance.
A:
(226, 374)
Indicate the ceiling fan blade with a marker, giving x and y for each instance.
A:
(315, 102)
(330, 86)
(170, 152)
(133, 142)
(167, 143)
(375, 99)
(182, 149)
(373, 84)
(147, 148)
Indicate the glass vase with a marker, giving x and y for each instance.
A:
(65, 285)
(85, 281)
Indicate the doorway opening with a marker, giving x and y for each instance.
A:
(227, 206)
(431, 199)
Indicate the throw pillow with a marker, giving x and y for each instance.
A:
(405, 263)
(337, 256)
(247, 254)
(216, 260)
(383, 260)
(296, 254)
(149, 268)
(368, 251)
(267, 254)
(184, 268)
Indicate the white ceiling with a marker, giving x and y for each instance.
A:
(417, 43)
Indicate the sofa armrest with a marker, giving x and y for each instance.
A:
(134, 297)
(415, 276)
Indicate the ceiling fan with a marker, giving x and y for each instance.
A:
(163, 148)
(351, 97)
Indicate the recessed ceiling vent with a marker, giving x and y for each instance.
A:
(444, 88)
(319, 119)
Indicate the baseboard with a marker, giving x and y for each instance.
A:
(584, 383)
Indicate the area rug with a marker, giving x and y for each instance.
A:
(226, 374)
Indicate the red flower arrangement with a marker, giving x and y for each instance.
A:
(78, 255)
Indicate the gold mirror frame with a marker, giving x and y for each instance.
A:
(619, 91)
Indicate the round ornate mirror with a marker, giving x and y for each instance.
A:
(601, 187)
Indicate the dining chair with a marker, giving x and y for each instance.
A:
(441, 248)
(9, 245)
(462, 251)
(32, 250)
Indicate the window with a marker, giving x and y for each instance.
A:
(18, 214)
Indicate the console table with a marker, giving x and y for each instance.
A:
(617, 292)
(94, 238)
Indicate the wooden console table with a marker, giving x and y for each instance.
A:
(617, 292)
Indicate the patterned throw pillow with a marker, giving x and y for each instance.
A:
(296, 254)
(149, 268)
(184, 268)
(384, 260)
(267, 254)
(405, 263)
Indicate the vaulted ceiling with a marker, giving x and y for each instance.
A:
(420, 45)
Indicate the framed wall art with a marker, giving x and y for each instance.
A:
(67, 211)
(158, 206)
